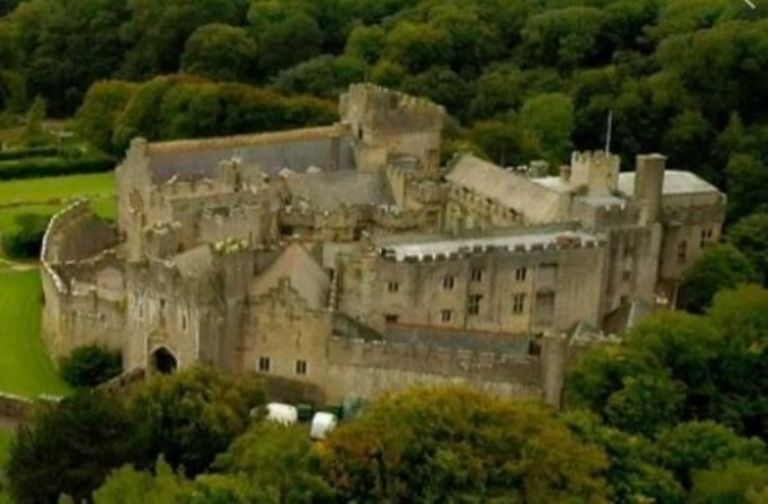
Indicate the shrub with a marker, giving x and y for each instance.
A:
(90, 365)
(25, 239)
(53, 166)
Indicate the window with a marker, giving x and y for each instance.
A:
(446, 315)
(518, 303)
(391, 318)
(393, 286)
(682, 251)
(520, 274)
(474, 304)
(448, 282)
(264, 364)
(301, 367)
(477, 274)
(706, 236)
(545, 308)
(183, 322)
(626, 275)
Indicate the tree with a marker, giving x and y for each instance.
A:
(157, 31)
(221, 52)
(69, 448)
(191, 416)
(747, 182)
(90, 365)
(97, 116)
(286, 34)
(693, 446)
(633, 474)
(550, 116)
(438, 444)
(25, 239)
(278, 460)
(417, 46)
(505, 141)
(33, 127)
(750, 236)
(739, 482)
(324, 76)
(720, 267)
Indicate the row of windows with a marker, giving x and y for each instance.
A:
(265, 366)
(449, 281)
(473, 308)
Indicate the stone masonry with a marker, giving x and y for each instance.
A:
(348, 258)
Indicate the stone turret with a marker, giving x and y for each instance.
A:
(394, 122)
(598, 171)
(649, 183)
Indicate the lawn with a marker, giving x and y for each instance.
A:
(56, 189)
(25, 366)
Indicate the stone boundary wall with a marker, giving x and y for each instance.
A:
(14, 407)
(523, 370)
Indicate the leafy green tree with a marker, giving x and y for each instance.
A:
(365, 43)
(739, 482)
(750, 236)
(97, 116)
(221, 52)
(191, 416)
(747, 184)
(286, 34)
(498, 90)
(693, 446)
(90, 365)
(550, 116)
(127, 485)
(279, 460)
(69, 448)
(633, 474)
(438, 444)
(720, 267)
(25, 239)
(33, 124)
(565, 38)
(645, 404)
(505, 141)
(324, 76)
(417, 46)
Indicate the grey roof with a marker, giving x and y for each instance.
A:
(431, 245)
(190, 160)
(512, 190)
(457, 339)
(326, 191)
(675, 182)
(305, 275)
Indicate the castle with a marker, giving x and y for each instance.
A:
(348, 258)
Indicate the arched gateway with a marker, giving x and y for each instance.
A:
(163, 361)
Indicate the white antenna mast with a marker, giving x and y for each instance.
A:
(609, 133)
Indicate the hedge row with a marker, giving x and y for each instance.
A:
(53, 166)
(27, 153)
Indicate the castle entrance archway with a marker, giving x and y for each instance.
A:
(163, 361)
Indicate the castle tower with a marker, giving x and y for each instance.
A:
(649, 183)
(394, 122)
(598, 171)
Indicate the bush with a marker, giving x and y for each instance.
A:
(26, 153)
(90, 365)
(25, 239)
(53, 166)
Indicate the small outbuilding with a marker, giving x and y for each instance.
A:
(282, 413)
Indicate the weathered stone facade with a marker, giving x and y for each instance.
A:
(348, 258)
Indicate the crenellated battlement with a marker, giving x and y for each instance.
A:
(380, 100)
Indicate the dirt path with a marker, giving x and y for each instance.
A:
(16, 266)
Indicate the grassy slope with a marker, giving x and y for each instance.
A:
(25, 367)
(42, 190)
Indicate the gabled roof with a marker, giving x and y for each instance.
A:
(306, 276)
(536, 202)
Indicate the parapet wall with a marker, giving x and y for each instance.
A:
(383, 109)
(370, 368)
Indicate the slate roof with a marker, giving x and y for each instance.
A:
(537, 202)
(457, 339)
(196, 160)
(675, 182)
(326, 191)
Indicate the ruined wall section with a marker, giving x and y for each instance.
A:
(82, 282)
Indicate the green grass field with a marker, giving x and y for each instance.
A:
(25, 366)
(56, 189)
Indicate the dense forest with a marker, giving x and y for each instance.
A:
(522, 80)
